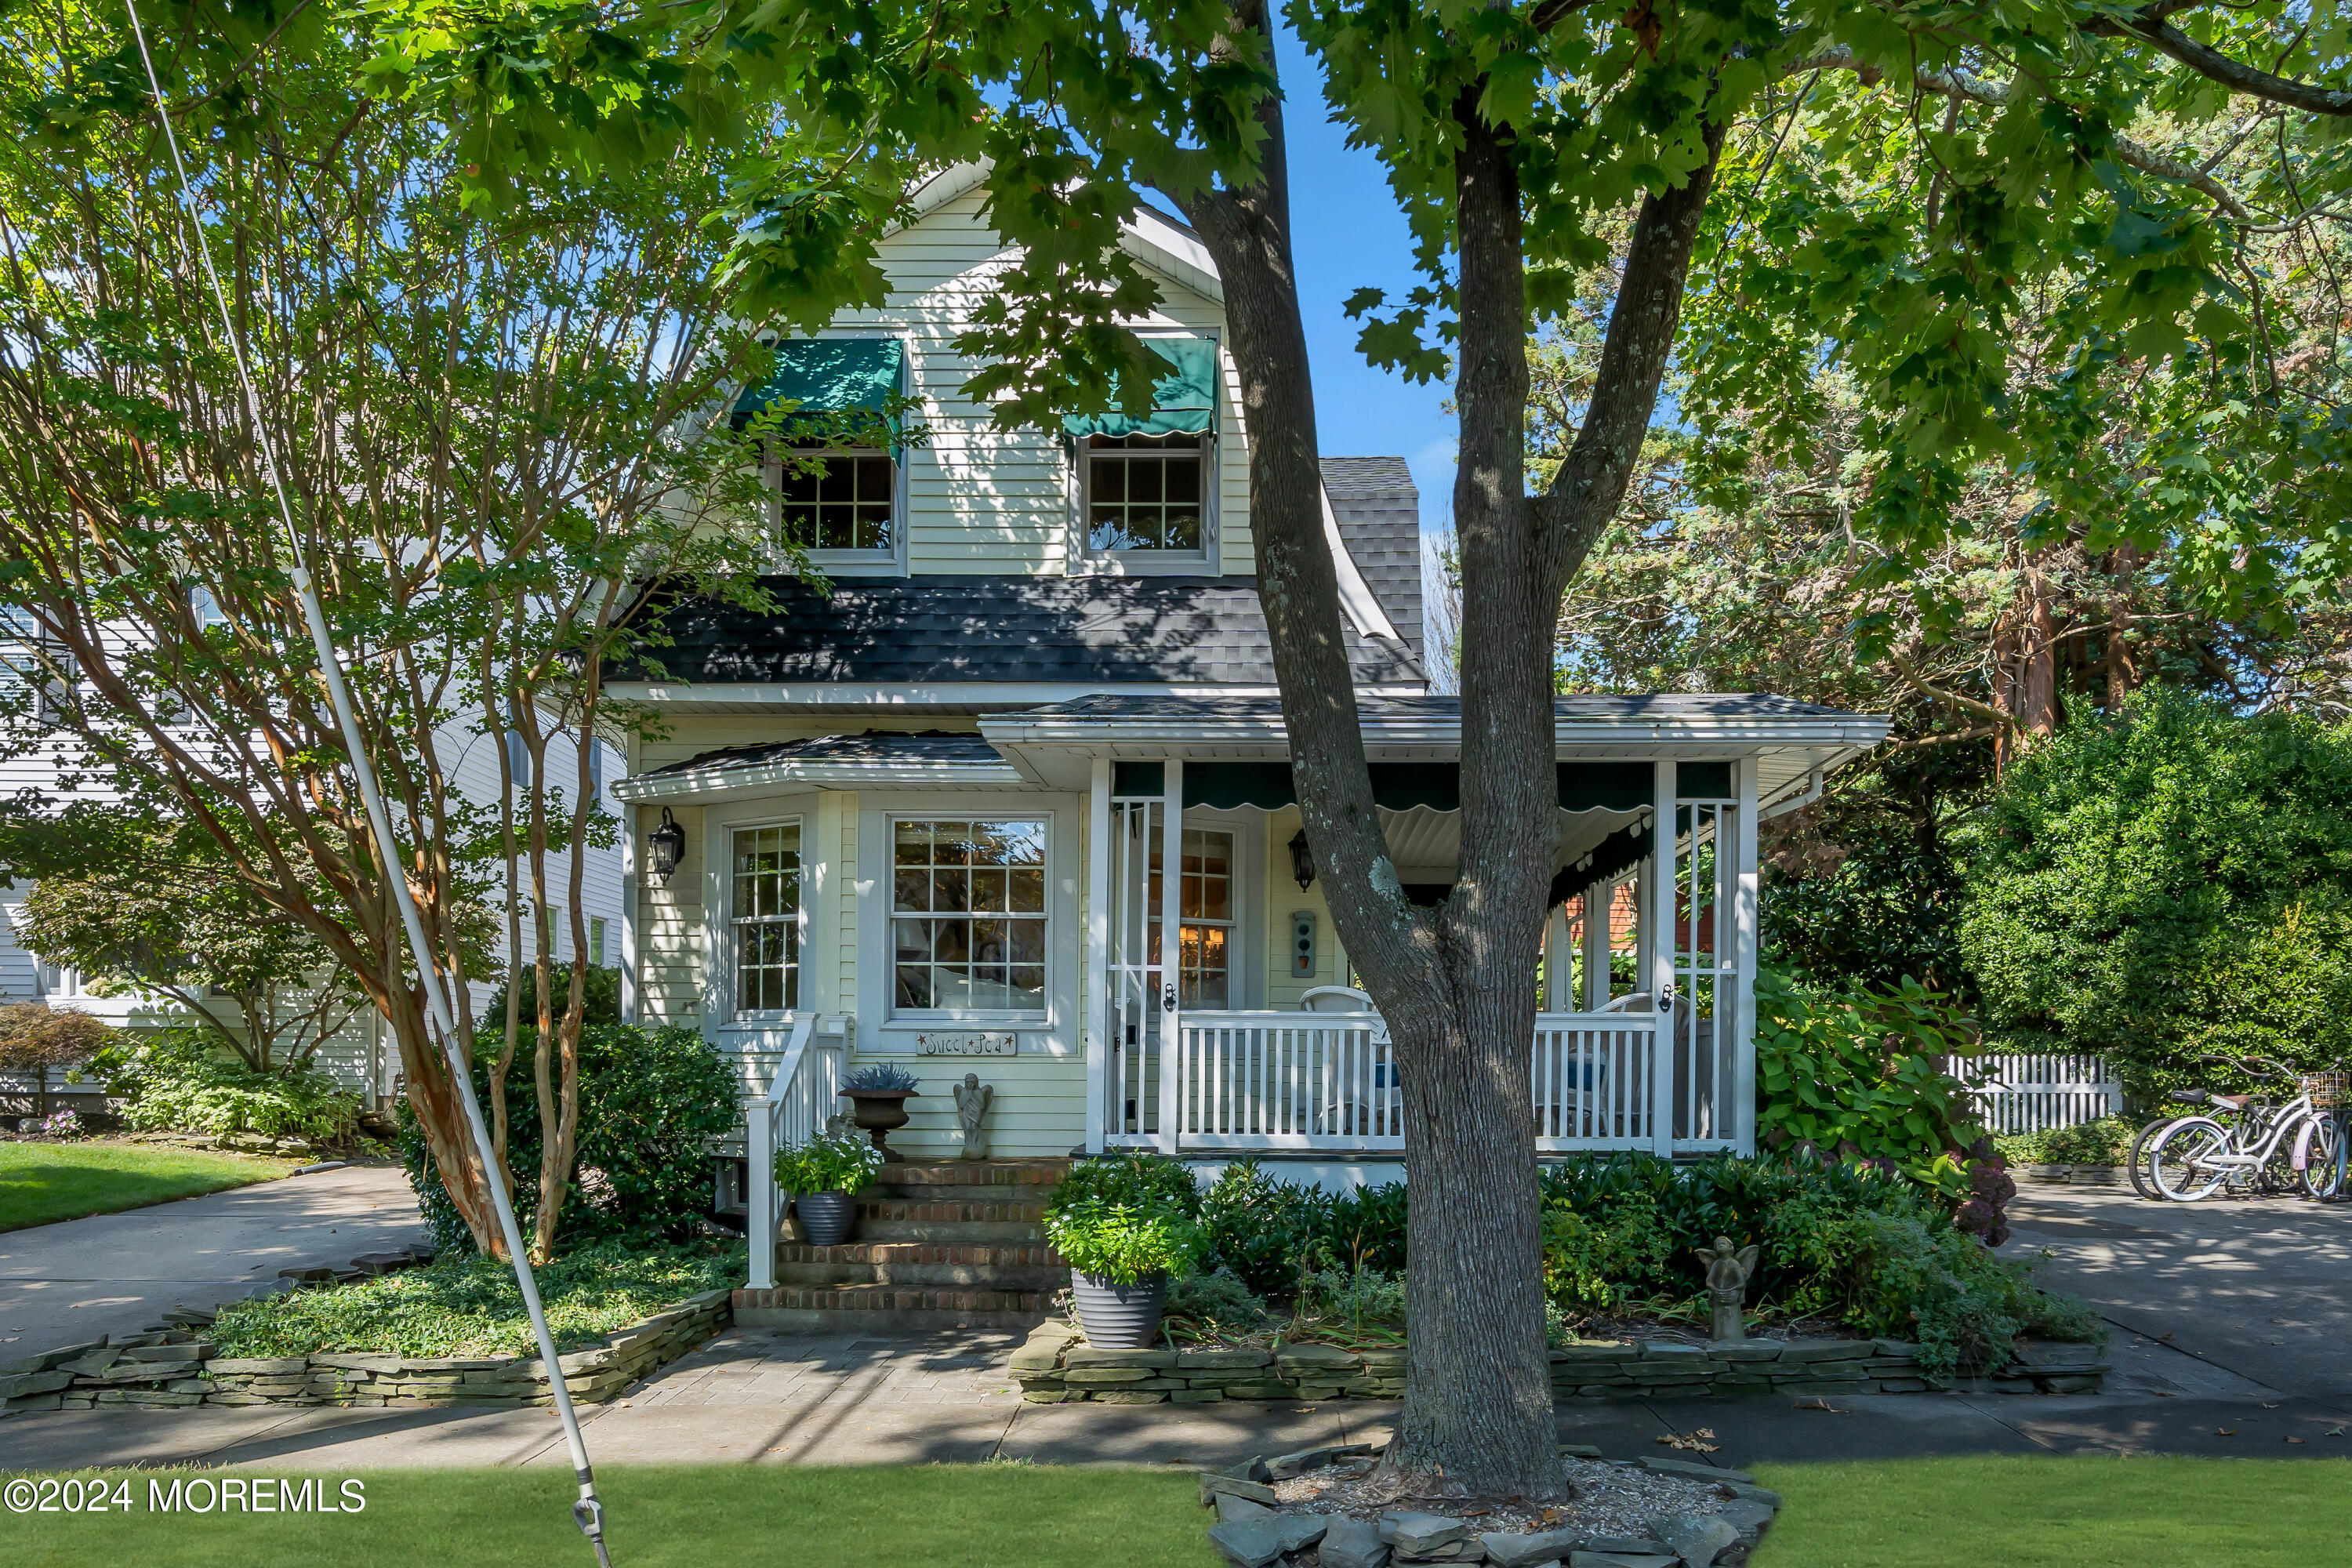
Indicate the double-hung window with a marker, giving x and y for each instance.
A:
(843, 500)
(764, 918)
(1143, 492)
(1204, 904)
(968, 919)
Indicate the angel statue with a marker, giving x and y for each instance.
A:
(972, 1100)
(1728, 1273)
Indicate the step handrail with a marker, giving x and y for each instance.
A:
(766, 1134)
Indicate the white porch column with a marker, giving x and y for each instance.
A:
(1172, 958)
(629, 982)
(1747, 915)
(1658, 949)
(1559, 991)
(1599, 910)
(1096, 982)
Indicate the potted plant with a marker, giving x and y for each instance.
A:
(879, 1093)
(1121, 1257)
(824, 1176)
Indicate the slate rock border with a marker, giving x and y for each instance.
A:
(1057, 1366)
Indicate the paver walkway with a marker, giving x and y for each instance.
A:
(114, 1273)
(773, 1398)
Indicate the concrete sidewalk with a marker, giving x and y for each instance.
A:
(114, 1273)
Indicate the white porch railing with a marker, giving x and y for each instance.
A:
(1265, 1080)
(804, 1091)
(2033, 1094)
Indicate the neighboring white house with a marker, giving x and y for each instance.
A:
(925, 819)
(362, 1054)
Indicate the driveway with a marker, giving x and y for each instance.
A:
(2261, 1287)
(113, 1274)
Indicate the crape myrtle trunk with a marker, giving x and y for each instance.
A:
(1456, 985)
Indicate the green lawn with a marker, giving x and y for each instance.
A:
(928, 1516)
(42, 1183)
(2078, 1512)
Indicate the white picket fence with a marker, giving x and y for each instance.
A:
(2033, 1094)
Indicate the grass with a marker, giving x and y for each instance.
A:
(2048, 1511)
(469, 1307)
(930, 1516)
(41, 1183)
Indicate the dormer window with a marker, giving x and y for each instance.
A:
(1146, 490)
(832, 407)
(841, 499)
(1143, 492)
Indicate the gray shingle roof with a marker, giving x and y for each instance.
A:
(1662, 705)
(1378, 509)
(1097, 630)
(880, 746)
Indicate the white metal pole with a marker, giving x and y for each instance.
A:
(1095, 1005)
(588, 1512)
(1173, 1064)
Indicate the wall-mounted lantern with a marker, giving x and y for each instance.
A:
(1302, 860)
(664, 845)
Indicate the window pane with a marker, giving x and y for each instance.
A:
(1183, 479)
(1143, 480)
(988, 890)
(1027, 892)
(1181, 530)
(1109, 480)
(914, 840)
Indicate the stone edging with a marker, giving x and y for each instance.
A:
(1250, 1533)
(175, 1368)
(1056, 1366)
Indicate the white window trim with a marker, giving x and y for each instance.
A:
(723, 962)
(1087, 561)
(934, 1018)
(881, 1030)
(857, 563)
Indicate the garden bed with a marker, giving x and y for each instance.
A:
(1057, 1366)
(410, 1338)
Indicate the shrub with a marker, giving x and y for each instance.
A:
(2104, 1142)
(1354, 1299)
(650, 1102)
(2170, 880)
(1216, 1302)
(842, 1163)
(470, 1306)
(1135, 1181)
(1263, 1231)
(1850, 1073)
(35, 1037)
(175, 1079)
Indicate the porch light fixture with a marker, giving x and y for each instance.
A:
(1302, 861)
(664, 845)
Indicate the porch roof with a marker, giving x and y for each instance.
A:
(873, 760)
(1791, 739)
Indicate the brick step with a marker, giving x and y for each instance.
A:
(971, 1180)
(942, 1211)
(887, 1190)
(884, 1309)
(954, 1233)
(922, 1265)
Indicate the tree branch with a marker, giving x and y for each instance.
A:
(2211, 63)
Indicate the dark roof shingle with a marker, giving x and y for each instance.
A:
(1378, 509)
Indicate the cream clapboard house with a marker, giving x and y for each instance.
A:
(923, 820)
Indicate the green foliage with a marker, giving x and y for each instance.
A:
(1351, 1302)
(887, 1077)
(2106, 1141)
(600, 1001)
(1850, 1074)
(1209, 1303)
(844, 1162)
(1145, 1182)
(36, 1036)
(1122, 1243)
(1264, 1231)
(176, 1079)
(471, 1307)
(2171, 881)
(650, 1101)
(1596, 1268)
(43, 1183)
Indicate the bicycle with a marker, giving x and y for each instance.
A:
(2198, 1155)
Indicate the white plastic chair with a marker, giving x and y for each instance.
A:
(1638, 1002)
(1335, 999)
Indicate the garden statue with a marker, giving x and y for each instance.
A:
(972, 1100)
(1728, 1273)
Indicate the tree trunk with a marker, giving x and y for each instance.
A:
(1456, 987)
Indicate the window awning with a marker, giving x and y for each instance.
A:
(1183, 401)
(1401, 786)
(828, 375)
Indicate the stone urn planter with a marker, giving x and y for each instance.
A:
(826, 1219)
(1119, 1317)
(879, 1111)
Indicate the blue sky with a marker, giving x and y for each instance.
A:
(1348, 234)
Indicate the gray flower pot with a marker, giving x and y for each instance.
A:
(826, 1219)
(1119, 1317)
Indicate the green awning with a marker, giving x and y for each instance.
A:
(1401, 786)
(828, 375)
(1183, 402)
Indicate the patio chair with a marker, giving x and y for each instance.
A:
(1637, 1002)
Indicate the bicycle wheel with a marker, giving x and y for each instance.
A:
(2142, 1182)
(2322, 1170)
(2179, 1161)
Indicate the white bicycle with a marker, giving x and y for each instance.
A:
(2269, 1148)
